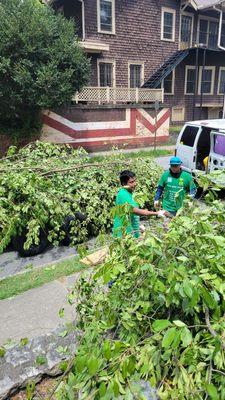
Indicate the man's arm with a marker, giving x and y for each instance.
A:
(145, 213)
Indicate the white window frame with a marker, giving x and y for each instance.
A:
(107, 61)
(187, 68)
(173, 84)
(192, 26)
(207, 19)
(142, 64)
(218, 89)
(207, 68)
(112, 32)
(171, 11)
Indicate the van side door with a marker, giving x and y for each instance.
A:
(186, 147)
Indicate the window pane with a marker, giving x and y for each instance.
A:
(106, 15)
(222, 82)
(206, 81)
(203, 31)
(189, 135)
(186, 24)
(219, 145)
(135, 76)
(168, 84)
(190, 81)
(168, 26)
(213, 34)
(105, 70)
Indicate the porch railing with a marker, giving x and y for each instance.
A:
(106, 95)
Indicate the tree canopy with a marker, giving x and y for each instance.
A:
(41, 62)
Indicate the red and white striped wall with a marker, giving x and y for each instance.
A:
(134, 127)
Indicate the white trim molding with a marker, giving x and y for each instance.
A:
(107, 61)
(187, 68)
(142, 64)
(173, 12)
(218, 89)
(207, 68)
(113, 30)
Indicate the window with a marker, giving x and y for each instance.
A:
(186, 29)
(168, 83)
(106, 16)
(206, 80)
(189, 80)
(168, 24)
(106, 72)
(189, 135)
(221, 85)
(208, 33)
(219, 144)
(136, 74)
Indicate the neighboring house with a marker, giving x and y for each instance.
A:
(152, 44)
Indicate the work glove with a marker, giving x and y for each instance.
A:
(161, 213)
(156, 204)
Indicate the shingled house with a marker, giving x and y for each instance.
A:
(153, 44)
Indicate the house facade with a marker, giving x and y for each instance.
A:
(167, 45)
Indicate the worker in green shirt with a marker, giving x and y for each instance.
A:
(173, 186)
(129, 222)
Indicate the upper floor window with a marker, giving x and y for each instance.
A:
(106, 16)
(206, 80)
(221, 84)
(106, 73)
(136, 74)
(168, 24)
(168, 83)
(208, 33)
(189, 80)
(186, 29)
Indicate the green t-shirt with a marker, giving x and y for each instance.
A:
(175, 189)
(132, 225)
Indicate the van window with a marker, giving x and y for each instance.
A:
(219, 144)
(189, 135)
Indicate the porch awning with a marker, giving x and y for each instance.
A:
(165, 69)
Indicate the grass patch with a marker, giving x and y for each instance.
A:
(133, 155)
(175, 129)
(18, 284)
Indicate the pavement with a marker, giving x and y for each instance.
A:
(36, 312)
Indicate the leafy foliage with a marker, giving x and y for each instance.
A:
(43, 183)
(41, 62)
(163, 319)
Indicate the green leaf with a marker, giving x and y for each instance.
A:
(80, 363)
(186, 337)
(41, 360)
(93, 365)
(2, 351)
(179, 323)
(212, 391)
(102, 389)
(169, 337)
(160, 324)
(187, 289)
(61, 312)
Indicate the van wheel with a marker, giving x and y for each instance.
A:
(34, 249)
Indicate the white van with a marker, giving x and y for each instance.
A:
(198, 140)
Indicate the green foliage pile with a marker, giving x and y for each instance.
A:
(162, 321)
(41, 62)
(43, 183)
